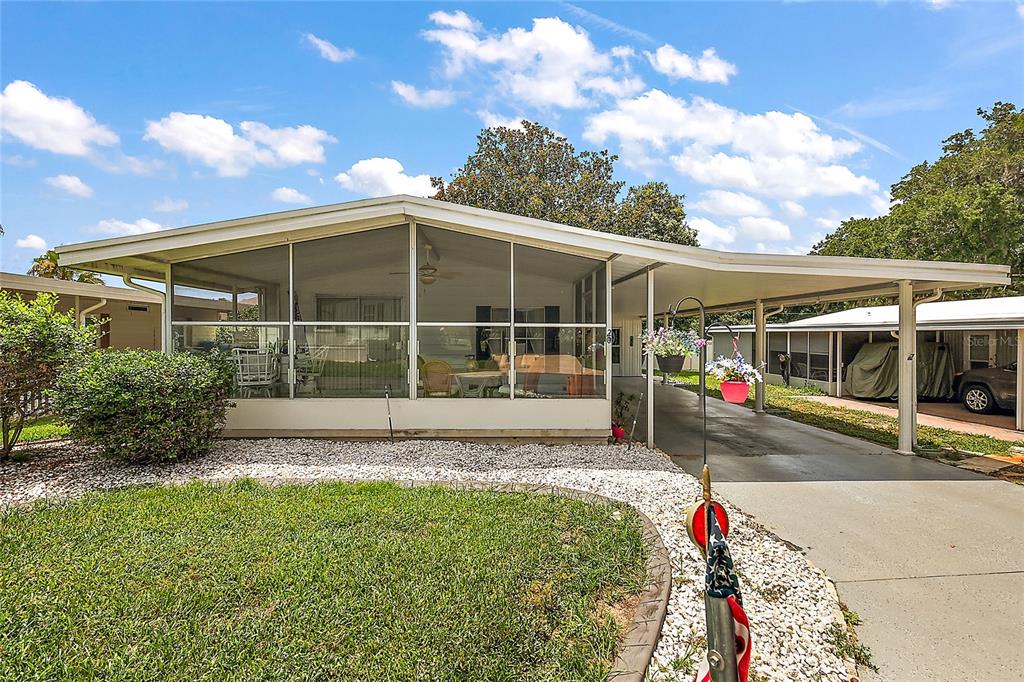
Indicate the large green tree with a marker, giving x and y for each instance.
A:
(534, 172)
(966, 206)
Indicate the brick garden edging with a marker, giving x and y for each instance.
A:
(642, 635)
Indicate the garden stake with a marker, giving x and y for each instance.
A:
(387, 401)
(635, 413)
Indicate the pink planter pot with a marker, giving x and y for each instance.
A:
(735, 391)
(618, 433)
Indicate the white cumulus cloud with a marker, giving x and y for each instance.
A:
(424, 99)
(290, 195)
(119, 228)
(214, 142)
(169, 205)
(711, 235)
(722, 202)
(777, 154)
(767, 229)
(492, 120)
(55, 124)
(31, 241)
(329, 50)
(379, 177)
(708, 67)
(550, 64)
(792, 209)
(72, 184)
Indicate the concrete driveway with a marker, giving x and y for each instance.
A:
(930, 556)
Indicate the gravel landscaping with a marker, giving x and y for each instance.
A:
(790, 603)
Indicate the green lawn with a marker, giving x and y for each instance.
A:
(786, 401)
(332, 581)
(43, 428)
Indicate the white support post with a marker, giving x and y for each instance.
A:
(760, 341)
(1020, 379)
(511, 321)
(907, 349)
(839, 364)
(291, 319)
(608, 334)
(650, 362)
(167, 337)
(831, 347)
(414, 351)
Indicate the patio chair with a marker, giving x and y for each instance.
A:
(256, 370)
(310, 367)
(436, 376)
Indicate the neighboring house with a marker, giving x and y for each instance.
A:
(128, 318)
(975, 333)
(456, 321)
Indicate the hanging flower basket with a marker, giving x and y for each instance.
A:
(735, 391)
(671, 363)
(736, 375)
(672, 346)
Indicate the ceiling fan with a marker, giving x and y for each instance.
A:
(428, 274)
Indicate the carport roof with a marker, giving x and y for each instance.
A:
(723, 280)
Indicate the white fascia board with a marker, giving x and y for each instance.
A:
(537, 231)
(17, 282)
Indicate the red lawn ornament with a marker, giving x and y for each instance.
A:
(697, 523)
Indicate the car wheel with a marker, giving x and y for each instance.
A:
(978, 399)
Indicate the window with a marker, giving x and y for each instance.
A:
(331, 317)
(554, 287)
(259, 353)
(461, 277)
(359, 277)
(777, 347)
(818, 364)
(564, 362)
(250, 286)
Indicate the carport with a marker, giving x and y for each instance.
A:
(766, 284)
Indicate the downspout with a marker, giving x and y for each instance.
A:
(127, 279)
(81, 315)
(930, 298)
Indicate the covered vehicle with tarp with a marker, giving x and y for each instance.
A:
(874, 372)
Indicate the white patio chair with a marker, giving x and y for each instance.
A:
(310, 367)
(256, 370)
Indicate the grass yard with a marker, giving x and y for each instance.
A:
(43, 428)
(785, 401)
(330, 581)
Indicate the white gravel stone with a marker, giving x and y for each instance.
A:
(789, 602)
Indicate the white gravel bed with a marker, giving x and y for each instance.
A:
(789, 602)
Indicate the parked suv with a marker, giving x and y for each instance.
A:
(983, 390)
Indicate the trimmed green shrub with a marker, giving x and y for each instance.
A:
(144, 406)
(35, 340)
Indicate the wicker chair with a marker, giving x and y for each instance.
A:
(437, 379)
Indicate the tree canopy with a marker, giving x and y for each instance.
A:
(46, 265)
(535, 172)
(966, 206)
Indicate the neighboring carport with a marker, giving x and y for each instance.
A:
(768, 283)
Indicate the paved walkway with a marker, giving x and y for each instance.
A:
(930, 556)
(943, 415)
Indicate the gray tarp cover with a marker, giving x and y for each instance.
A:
(874, 372)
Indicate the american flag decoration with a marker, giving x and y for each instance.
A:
(720, 582)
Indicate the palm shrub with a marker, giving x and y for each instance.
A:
(145, 406)
(36, 340)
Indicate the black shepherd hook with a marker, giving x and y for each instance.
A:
(703, 358)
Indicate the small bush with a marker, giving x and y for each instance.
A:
(35, 340)
(144, 406)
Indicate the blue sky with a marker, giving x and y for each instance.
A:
(775, 120)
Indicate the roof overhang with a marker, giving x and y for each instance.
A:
(61, 287)
(738, 278)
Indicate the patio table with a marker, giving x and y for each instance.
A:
(476, 384)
